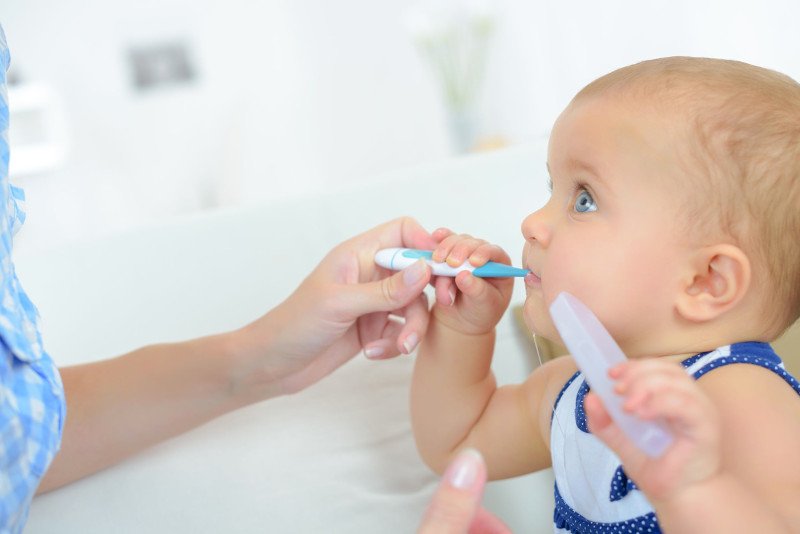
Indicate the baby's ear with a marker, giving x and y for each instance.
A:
(718, 277)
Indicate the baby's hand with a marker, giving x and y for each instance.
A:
(653, 389)
(466, 303)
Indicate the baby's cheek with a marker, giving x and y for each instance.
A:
(525, 251)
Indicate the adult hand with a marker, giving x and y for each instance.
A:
(456, 506)
(347, 304)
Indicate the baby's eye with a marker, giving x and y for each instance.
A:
(584, 202)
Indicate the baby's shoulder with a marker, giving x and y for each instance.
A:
(747, 382)
(759, 413)
(758, 407)
(557, 372)
(545, 384)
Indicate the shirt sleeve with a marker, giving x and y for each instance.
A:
(32, 407)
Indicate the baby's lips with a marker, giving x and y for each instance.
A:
(532, 280)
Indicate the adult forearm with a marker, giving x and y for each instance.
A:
(451, 387)
(722, 504)
(118, 407)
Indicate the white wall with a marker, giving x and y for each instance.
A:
(294, 96)
(291, 97)
(548, 50)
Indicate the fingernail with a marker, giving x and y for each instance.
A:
(463, 472)
(452, 294)
(411, 342)
(414, 272)
(373, 352)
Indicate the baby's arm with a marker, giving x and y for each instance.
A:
(733, 465)
(455, 401)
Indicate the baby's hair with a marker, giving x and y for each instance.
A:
(743, 153)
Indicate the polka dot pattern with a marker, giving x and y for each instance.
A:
(620, 487)
(568, 519)
(580, 413)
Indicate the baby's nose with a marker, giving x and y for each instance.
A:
(535, 228)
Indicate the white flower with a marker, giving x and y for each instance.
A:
(454, 37)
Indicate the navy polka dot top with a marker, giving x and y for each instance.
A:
(592, 491)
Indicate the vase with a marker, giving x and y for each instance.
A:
(463, 128)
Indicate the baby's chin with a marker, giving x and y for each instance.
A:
(538, 320)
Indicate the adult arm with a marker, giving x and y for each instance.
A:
(120, 406)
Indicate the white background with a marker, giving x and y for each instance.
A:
(309, 95)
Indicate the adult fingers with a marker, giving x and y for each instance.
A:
(487, 523)
(400, 335)
(385, 346)
(417, 317)
(445, 290)
(458, 497)
(388, 294)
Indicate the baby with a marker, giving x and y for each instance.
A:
(675, 217)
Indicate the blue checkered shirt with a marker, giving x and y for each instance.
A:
(31, 395)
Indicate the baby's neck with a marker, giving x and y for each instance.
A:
(683, 342)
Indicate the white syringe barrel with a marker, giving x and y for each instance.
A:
(595, 352)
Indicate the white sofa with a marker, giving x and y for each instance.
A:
(338, 457)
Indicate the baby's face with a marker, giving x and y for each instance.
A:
(608, 234)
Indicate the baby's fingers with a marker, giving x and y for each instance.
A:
(440, 234)
(480, 292)
(660, 389)
(456, 248)
(644, 395)
(488, 252)
(464, 249)
(606, 430)
(685, 407)
(596, 412)
(638, 392)
(634, 372)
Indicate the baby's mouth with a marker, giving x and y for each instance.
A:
(532, 279)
